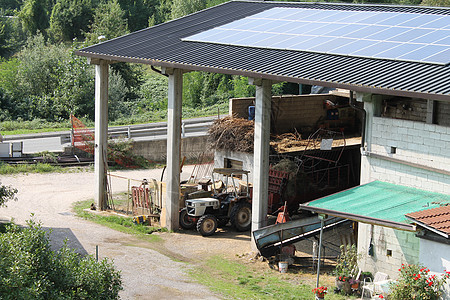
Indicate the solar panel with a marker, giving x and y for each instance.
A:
(384, 35)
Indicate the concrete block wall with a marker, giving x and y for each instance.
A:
(289, 112)
(442, 113)
(404, 108)
(416, 142)
(156, 150)
(392, 248)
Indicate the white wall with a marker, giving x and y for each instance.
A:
(404, 247)
(246, 158)
(419, 143)
(415, 142)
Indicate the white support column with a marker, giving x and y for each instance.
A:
(261, 153)
(101, 132)
(173, 148)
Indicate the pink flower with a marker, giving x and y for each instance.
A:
(380, 296)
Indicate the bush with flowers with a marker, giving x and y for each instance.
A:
(347, 264)
(415, 282)
(320, 291)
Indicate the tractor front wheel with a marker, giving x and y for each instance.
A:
(185, 220)
(241, 216)
(207, 225)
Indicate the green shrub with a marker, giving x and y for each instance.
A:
(29, 269)
(415, 282)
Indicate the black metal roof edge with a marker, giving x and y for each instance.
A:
(361, 218)
(360, 6)
(254, 74)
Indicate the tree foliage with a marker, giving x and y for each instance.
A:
(7, 193)
(29, 269)
(70, 19)
(109, 22)
(34, 16)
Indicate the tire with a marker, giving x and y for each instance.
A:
(241, 216)
(185, 222)
(207, 225)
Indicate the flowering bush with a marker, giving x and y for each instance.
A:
(347, 263)
(415, 282)
(321, 290)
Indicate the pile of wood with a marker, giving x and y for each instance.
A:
(233, 134)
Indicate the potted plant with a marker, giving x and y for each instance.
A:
(354, 283)
(320, 292)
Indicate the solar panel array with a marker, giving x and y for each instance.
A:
(384, 35)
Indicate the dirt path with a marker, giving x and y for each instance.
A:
(146, 273)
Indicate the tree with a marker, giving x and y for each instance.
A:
(70, 19)
(29, 269)
(109, 21)
(445, 3)
(138, 12)
(181, 8)
(34, 16)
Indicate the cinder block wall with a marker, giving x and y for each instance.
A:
(416, 142)
(156, 150)
(288, 112)
(392, 248)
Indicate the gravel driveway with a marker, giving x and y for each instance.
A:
(146, 273)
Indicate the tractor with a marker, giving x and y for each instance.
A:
(227, 204)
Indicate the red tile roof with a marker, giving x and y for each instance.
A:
(437, 218)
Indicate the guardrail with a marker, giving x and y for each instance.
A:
(189, 126)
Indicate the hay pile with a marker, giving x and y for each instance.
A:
(287, 142)
(233, 134)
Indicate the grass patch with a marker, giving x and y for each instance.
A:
(240, 281)
(7, 169)
(119, 223)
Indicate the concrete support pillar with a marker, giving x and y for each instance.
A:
(430, 111)
(173, 148)
(261, 153)
(373, 107)
(101, 133)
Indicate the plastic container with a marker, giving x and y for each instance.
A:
(283, 266)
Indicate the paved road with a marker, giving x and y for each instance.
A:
(57, 141)
(147, 274)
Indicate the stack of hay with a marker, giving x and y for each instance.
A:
(233, 134)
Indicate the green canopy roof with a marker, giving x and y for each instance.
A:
(379, 203)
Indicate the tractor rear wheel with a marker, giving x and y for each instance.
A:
(207, 225)
(241, 216)
(185, 221)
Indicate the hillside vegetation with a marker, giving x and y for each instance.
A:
(43, 82)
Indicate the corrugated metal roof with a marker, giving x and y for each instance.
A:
(437, 218)
(161, 45)
(378, 202)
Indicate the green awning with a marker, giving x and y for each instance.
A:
(379, 203)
